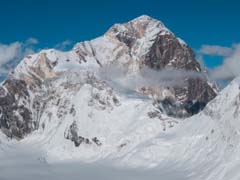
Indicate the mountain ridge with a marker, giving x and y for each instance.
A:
(133, 46)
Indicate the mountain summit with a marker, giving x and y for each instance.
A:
(54, 86)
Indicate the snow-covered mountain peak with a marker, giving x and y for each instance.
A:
(145, 22)
(143, 28)
(144, 18)
(140, 24)
(135, 57)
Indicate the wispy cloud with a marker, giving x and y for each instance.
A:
(31, 41)
(230, 67)
(215, 50)
(63, 45)
(148, 77)
(10, 53)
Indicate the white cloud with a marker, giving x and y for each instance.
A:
(215, 50)
(230, 67)
(32, 41)
(63, 45)
(200, 60)
(148, 77)
(11, 53)
(231, 61)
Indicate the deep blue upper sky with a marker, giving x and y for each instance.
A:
(197, 22)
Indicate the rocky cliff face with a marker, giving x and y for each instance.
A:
(41, 83)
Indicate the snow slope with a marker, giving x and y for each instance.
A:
(205, 146)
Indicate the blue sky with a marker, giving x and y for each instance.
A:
(205, 22)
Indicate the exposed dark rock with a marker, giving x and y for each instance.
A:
(153, 114)
(72, 134)
(15, 118)
(165, 49)
(96, 141)
(170, 108)
(194, 107)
